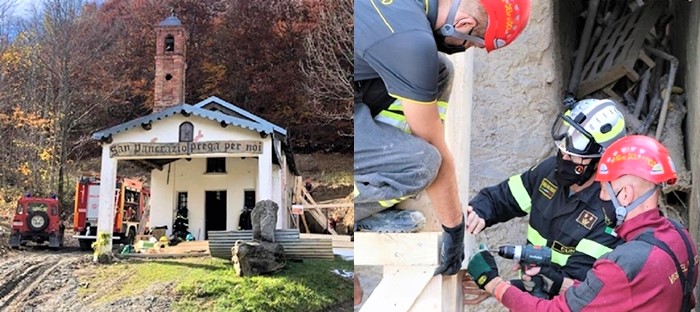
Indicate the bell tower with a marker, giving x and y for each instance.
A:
(171, 38)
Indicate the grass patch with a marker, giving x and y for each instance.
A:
(204, 284)
(308, 286)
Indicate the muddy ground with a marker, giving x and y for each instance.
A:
(37, 279)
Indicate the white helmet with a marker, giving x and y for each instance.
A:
(588, 128)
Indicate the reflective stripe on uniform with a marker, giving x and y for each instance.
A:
(393, 119)
(586, 246)
(391, 202)
(355, 192)
(393, 115)
(517, 188)
(536, 239)
(592, 248)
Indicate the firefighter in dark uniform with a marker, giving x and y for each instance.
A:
(560, 194)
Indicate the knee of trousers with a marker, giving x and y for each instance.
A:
(426, 165)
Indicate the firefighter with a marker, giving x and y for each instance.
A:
(559, 194)
(396, 58)
(654, 270)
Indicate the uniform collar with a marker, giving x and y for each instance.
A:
(629, 229)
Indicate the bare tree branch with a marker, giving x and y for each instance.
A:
(329, 67)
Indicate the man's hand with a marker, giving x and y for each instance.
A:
(474, 223)
(451, 250)
(552, 277)
(482, 266)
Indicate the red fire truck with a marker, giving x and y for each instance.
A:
(130, 201)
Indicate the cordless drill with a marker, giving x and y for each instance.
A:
(529, 256)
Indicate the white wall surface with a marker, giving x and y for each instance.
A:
(189, 176)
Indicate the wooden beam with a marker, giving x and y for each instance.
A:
(399, 288)
(421, 249)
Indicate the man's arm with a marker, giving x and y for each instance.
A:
(424, 121)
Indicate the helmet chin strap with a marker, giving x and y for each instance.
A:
(622, 211)
(448, 30)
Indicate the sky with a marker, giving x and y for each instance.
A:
(23, 6)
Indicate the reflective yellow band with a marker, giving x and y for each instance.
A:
(355, 192)
(393, 119)
(515, 183)
(441, 105)
(592, 248)
(616, 130)
(391, 202)
(535, 238)
(442, 109)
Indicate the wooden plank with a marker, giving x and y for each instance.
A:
(618, 49)
(397, 248)
(399, 288)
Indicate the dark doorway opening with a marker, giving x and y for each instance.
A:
(244, 222)
(214, 211)
(248, 200)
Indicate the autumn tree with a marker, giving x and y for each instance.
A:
(329, 63)
(68, 44)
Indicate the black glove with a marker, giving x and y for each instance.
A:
(553, 278)
(451, 250)
(482, 266)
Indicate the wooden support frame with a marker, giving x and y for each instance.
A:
(408, 284)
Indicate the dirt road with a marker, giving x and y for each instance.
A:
(39, 280)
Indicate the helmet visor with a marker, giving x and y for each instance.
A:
(572, 139)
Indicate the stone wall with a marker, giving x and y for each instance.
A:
(517, 94)
(687, 48)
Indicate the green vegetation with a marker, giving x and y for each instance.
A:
(204, 284)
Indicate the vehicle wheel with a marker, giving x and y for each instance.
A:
(38, 221)
(62, 231)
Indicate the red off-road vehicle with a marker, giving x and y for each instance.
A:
(37, 220)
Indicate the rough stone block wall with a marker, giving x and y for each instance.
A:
(517, 96)
(687, 47)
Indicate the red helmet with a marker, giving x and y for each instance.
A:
(637, 155)
(507, 19)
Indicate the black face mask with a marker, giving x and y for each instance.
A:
(444, 47)
(568, 173)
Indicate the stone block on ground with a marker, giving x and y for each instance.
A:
(257, 258)
(264, 219)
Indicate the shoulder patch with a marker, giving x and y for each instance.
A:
(547, 188)
(587, 219)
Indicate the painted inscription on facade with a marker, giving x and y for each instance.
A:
(185, 148)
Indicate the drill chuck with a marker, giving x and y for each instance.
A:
(511, 252)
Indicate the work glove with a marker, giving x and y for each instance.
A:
(482, 266)
(552, 278)
(451, 250)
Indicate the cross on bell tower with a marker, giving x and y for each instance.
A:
(171, 63)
